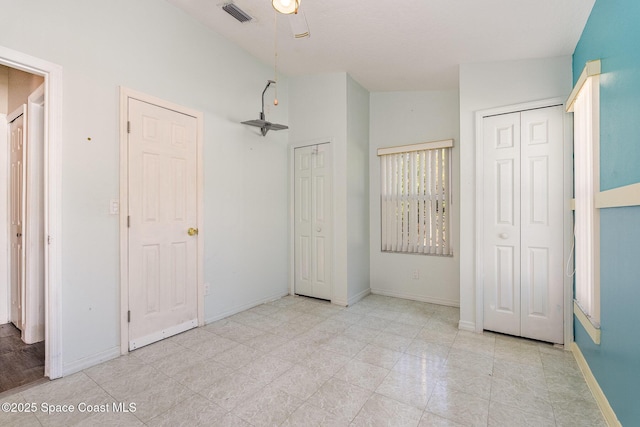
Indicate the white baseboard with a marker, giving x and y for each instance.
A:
(89, 361)
(403, 295)
(357, 297)
(463, 325)
(607, 411)
(239, 308)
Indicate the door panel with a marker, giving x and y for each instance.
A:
(162, 207)
(501, 250)
(313, 226)
(303, 283)
(542, 227)
(17, 158)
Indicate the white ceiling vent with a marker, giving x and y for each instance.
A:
(236, 12)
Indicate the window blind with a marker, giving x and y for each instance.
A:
(415, 199)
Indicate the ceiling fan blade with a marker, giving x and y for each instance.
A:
(258, 123)
(275, 126)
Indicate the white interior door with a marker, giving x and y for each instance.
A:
(17, 153)
(313, 221)
(523, 224)
(162, 213)
(542, 228)
(502, 223)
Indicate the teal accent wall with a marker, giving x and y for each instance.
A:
(612, 34)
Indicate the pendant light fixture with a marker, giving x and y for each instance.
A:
(286, 6)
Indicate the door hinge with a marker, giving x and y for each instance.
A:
(48, 240)
(128, 221)
(128, 127)
(129, 316)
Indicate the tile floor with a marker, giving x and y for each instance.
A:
(301, 362)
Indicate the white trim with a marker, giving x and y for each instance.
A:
(628, 195)
(591, 329)
(414, 297)
(162, 334)
(601, 399)
(433, 145)
(94, 359)
(464, 325)
(125, 94)
(357, 297)
(34, 239)
(591, 68)
(52, 74)
(4, 220)
(479, 206)
(243, 307)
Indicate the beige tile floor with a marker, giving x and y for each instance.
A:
(301, 362)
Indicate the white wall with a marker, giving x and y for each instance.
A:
(318, 113)
(399, 118)
(4, 90)
(153, 47)
(357, 191)
(21, 85)
(484, 86)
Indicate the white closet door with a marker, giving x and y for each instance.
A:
(542, 228)
(502, 223)
(523, 224)
(313, 221)
(17, 171)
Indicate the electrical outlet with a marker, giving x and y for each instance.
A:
(207, 289)
(416, 275)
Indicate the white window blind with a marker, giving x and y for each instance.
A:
(587, 183)
(415, 198)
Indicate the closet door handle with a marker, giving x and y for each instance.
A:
(503, 236)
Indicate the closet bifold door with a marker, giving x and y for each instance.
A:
(542, 228)
(501, 150)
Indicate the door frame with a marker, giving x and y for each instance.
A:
(125, 95)
(53, 85)
(292, 206)
(567, 217)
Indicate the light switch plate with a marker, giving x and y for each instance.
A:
(114, 207)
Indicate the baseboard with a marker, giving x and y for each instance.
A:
(357, 297)
(239, 308)
(606, 409)
(87, 362)
(463, 325)
(403, 295)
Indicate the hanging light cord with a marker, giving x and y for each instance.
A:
(275, 55)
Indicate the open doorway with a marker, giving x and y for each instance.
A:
(22, 289)
(52, 112)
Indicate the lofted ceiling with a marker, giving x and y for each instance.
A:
(399, 46)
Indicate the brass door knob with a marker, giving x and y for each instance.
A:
(192, 231)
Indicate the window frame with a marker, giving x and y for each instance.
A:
(584, 102)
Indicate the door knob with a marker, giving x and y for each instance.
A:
(192, 231)
(504, 236)
(318, 229)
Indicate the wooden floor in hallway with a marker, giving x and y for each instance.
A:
(21, 363)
